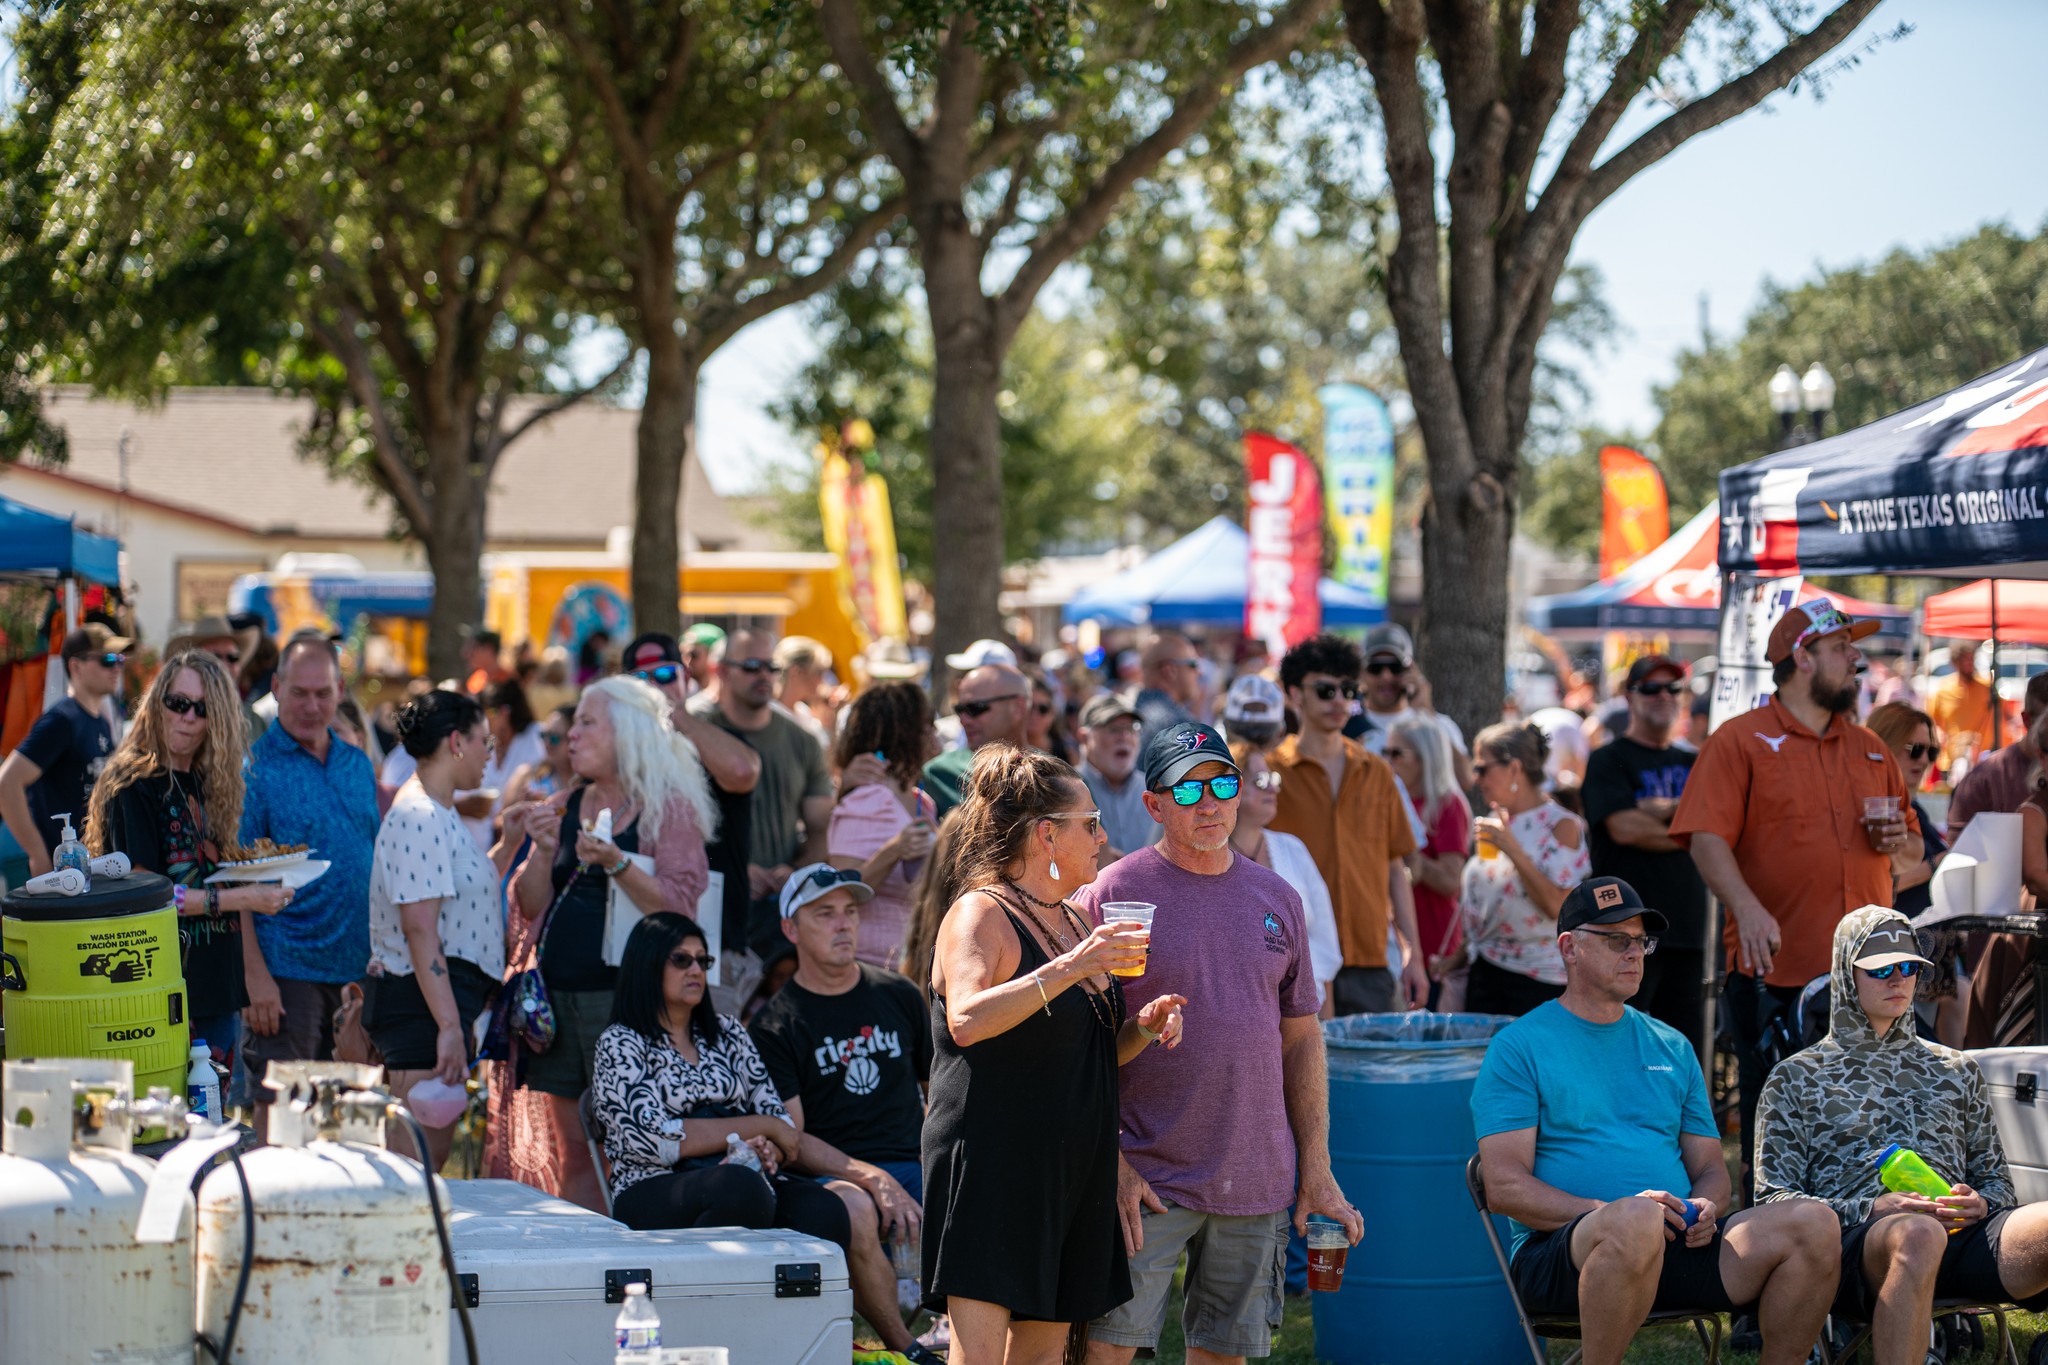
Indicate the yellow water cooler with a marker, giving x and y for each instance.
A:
(98, 975)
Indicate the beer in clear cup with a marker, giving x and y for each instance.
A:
(1879, 811)
(1131, 912)
(1328, 1246)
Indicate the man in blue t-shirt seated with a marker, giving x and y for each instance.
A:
(1589, 1116)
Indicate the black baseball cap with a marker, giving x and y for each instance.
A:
(1181, 748)
(1641, 669)
(1605, 900)
(650, 648)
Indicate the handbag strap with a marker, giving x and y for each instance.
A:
(547, 919)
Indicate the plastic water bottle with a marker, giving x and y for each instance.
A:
(1903, 1169)
(738, 1153)
(639, 1329)
(202, 1085)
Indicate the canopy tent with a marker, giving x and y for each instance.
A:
(1201, 579)
(340, 598)
(33, 542)
(1674, 590)
(2017, 606)
(1954, 485)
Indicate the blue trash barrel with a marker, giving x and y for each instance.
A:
(1423, 1287)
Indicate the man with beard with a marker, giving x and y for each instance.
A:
(1775, 818)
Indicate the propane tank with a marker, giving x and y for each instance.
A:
(347, 1266)
(74, 1282)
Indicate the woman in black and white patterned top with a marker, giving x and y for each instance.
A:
(674, 1079)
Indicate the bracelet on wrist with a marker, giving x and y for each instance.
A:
(623, 863)
(213, 900)
(178, 899)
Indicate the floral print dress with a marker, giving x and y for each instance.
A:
(1501, 923)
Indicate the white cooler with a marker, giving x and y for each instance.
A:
(2017, 1078)
(544, 1280)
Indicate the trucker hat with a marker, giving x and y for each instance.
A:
(1390, 639)
(1811, 621)
(94, 638)
(1104, 707)
(816, 880)
(1254, 698)
(1179, 749)
(1889, 943)
(1605, 900)
(651, 648)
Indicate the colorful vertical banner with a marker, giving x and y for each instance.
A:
(1358, 477)
(1284, 516)
(1635, 513)
(861, 533)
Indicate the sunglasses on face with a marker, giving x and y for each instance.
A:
(752, 667)
(1381, 667)
(975, 710)
(1908, 970)
(1916, 752)
(110, 660)
(554, 741)
(227, 656)
(1662, 689)
(1391, 752)
(1223, 788)
(682, 962)
(661, 675)
(1093, 817)
(1329, 691)
(1267, 782)
(179, 704)
(1041, 708)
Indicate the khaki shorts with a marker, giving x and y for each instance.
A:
(565, 1068)
(1236, 1266)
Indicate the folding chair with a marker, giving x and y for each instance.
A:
(593, 1137)
(1534, 1328)
(2007, 1351)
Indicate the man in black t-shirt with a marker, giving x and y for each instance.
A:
(849, 1047)
(52, 771)
(1632, 787)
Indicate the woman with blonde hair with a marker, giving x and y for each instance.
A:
(633, 764)
(170, 797)
(1022, 1246)
(1421, 756)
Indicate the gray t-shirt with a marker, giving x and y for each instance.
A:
(792, 771)
(1124, 818)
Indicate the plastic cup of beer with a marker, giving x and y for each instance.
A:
(1328, 1245)
(1879, 811)
(1484, 845)
(1132, 912)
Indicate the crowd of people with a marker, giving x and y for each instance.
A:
(789, 955)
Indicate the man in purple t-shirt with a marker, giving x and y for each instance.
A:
(1215, 1136)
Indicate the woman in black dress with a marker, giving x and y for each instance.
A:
(1021, 1243)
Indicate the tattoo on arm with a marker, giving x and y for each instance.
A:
(436, 968)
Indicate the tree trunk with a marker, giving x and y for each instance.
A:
(966, 453)
(1466, 537)
(454, 545)
(667, 435)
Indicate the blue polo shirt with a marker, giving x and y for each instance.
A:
(294, 798)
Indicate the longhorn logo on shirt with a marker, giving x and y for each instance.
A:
(1776, 742)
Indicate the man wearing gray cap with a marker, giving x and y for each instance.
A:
(1109, 765)
(1387, 697)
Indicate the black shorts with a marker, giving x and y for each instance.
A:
(403, 1028)
(1548, 1282)
(1969, 1269)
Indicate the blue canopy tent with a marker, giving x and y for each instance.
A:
(1201, 579)
(33, 542)
(405, 594)
(1954, 486)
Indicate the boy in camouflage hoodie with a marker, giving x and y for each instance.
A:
(1828, 1113)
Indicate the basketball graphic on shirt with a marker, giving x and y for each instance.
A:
(862, 1076)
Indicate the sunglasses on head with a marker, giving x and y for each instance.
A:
(1223, 788)
(1381, 666)
(1658, 689)
(754, 667)
(1905, 969)
(1329, 691)
(179, 704)
(1916, 752)
(661, 675)
(829, 877)
(684, 961)
(975, 710)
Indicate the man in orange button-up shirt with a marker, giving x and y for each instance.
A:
(1775, 817)
(1343, 803)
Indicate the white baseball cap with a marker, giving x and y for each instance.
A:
(808, 883)
(1253, 697)
(982, 653)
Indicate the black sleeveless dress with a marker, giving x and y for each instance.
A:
(1020, 1150)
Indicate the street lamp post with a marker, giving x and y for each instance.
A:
(1792, 393)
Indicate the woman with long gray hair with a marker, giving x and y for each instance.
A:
(635, 766)
(1420, 754)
